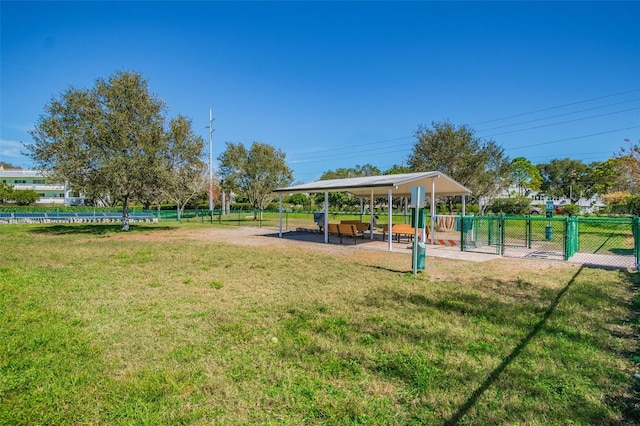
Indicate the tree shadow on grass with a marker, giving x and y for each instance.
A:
(495, 374)
(95, 229)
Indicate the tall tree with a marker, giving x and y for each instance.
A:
(478, 164)
(340, 200)
(565, 178)
(629, 160)
(525, 175)
(187, 172)
(349, 172)
(108, 142)
(397, 169)
(606, 176)
(254, 172)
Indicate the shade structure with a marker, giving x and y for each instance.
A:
(399, 184)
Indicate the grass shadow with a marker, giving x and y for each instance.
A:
(622, 252)
(631, 402)
(95, 229)
(384, 268)
(495, 374)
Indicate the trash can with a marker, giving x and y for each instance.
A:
(422, 249)
(548, 232)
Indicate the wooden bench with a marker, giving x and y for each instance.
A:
(332, 229)
(349, 230)
(343, 229)
(400, 229)
(362, 226)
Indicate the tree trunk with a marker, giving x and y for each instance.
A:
(223, 207)
(125, 214)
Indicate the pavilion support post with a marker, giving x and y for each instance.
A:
(464, 205)
(280, 206)
(406, 208)
(433, 210)
(326, 218)
(371, 217)
(390, 221)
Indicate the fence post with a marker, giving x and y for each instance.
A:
(461, 219)
(566, 239)
(570, 237)
(502, 234)
(490, 232)
(635, 225)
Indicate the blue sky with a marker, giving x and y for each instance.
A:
(340, 84)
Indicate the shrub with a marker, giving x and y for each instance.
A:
(24, 197)
(633, 205)
(516, 205)
(571, 209)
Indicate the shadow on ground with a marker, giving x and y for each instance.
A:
(96, 229)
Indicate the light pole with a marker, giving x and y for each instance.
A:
(211, 129)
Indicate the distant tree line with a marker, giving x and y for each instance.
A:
(114, 143)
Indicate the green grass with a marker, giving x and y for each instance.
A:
(157, 327)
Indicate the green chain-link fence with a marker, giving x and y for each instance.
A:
(598, 241)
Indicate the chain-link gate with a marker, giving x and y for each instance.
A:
(481, 234)
(607, 242)
(598, 241)
(534, 237)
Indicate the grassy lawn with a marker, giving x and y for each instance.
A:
(157, 327)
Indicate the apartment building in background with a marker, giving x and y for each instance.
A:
(51, 193)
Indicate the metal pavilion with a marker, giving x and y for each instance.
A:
(399, 185)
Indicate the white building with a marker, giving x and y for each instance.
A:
(586, 205)
(49, 192)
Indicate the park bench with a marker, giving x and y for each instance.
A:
(349, 230)
(332, 229)
(400, 229)
(343, 229)
(362, 226)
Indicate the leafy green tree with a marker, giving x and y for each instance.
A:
(525, 175)
(633, 205)
(6, 192)
(516, 205)
(187, 172)
(24, 197)
(341, 200)
(606, 176)
(108, 142)
(254, 172)
(566, 178)
(397, 169)
(478, 164)
(629, 161)
(299, 200)
(350, 172)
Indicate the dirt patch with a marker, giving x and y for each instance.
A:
(369, 252)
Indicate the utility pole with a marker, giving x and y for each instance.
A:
(211, 129)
